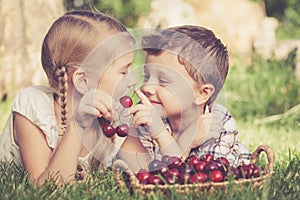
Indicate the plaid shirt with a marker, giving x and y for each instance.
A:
(220, 142)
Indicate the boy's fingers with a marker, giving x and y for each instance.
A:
(135, 109)
(142, 97)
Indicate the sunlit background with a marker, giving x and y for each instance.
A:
(263, 38)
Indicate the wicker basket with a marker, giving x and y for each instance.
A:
(131, 181)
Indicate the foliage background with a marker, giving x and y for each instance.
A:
(263, 88)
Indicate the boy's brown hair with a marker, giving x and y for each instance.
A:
(198, 49)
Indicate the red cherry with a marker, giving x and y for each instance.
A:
(185, 168)
(174, 172)
(211, 166)
(122, 130)
(126, 101)
(200, 177)
(200, 166)
(174, 162)
(155, 180)
(183, 178)
(235, 172)
(255, 172)
(154, 165)
(143, 175)
(163, 169)
(223, 161)
(165, 158)
(108, 130)
(193, 160)
(216, 176)
(209, 158)
(171, 179)
(246, 171)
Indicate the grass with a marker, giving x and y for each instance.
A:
(262, 89)
(284, 184)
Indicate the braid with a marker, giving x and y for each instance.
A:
(62, 78)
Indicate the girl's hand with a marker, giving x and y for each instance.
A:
(94, 103)
(145, 114)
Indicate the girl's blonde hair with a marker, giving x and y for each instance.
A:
(68, 42)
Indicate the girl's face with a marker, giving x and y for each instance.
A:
(117, 79)
(168, 86)
(109, 64)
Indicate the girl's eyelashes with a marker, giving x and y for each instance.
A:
(163, 80)
(146, 77)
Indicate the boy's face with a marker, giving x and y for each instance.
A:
(168, 85)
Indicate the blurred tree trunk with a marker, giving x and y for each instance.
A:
(23, 25)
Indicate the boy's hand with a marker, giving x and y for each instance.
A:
(94, 103)
(211, 126)
(146, 114)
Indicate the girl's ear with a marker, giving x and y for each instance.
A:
(203, 93)
(79, 80)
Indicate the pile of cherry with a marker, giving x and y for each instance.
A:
(122, 130)
(172, 170)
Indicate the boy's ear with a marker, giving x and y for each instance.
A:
(79, 80)
(203, 93)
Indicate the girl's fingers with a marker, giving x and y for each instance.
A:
(142, 97)
(91, 111)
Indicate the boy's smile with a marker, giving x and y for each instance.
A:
(168, 86)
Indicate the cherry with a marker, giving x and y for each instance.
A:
(143, 175)
(183, 178)
(209, 158)
(171, 179)
(122, 130)
(155, 165)
(165, 158)
(174, 172)
(193, 160)
(108, 130)
(200, 166)
(211, 166)
(200, 177)
(216, 176)
(255, 171)
(246, 171)
(224, 162)
(126, 101)
(163, 169)
(185, 168)
(174, 162)
(235, 172)
(155, 180)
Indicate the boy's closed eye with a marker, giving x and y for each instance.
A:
(124, 70)
(163, 80)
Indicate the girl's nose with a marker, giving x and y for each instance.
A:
(131, 80)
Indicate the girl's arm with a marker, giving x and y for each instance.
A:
(134, 154)
(37, 157)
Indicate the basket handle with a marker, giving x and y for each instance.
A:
(120, 165)
(270, 156)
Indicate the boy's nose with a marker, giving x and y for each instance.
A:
(148, 88)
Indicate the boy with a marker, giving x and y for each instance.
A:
(185, 69)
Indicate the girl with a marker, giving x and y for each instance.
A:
(86, 57)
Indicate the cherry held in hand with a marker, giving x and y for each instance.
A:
(126, 101)
(123, 129)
